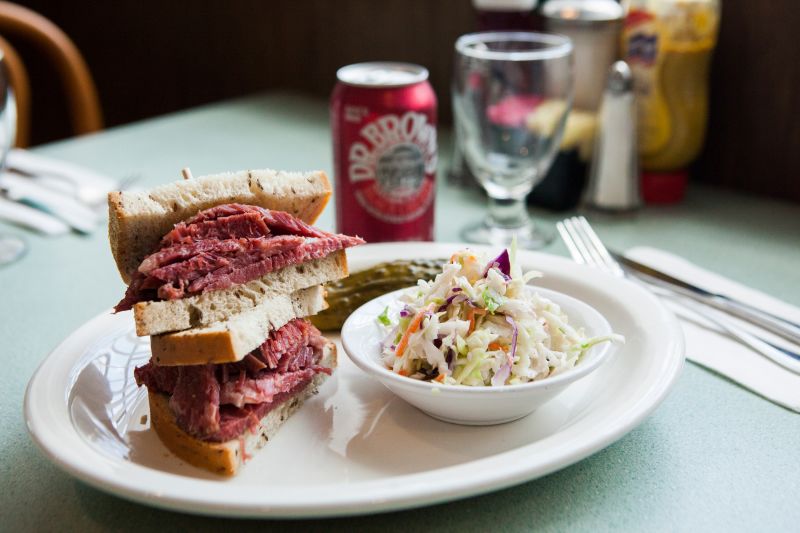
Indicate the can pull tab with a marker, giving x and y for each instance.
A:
(614, 175)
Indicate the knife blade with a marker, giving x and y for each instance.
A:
(774, 323)
(652, 272)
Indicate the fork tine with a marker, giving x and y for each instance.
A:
(594, 257)
(600, 248)
(608, 263)
(578, 240)
(570, 243)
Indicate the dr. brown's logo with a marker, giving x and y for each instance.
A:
(400, 170)
(392, 167)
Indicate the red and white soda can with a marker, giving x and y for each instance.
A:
(383, 117)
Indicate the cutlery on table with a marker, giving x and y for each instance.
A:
(775, 324)
(83, 184)
(23, 190)
(35, 219)
(86, 185)
(585, 247)
(88, 195)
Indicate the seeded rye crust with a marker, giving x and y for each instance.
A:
(225, 458)
(230, 341)
(138, 220)
(165, 316)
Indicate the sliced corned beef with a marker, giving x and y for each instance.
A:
(224, 246)
(195, 400)
(278, 222)
(211, 401)
(233, 421)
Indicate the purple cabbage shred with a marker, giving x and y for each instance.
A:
(514, 335)
(502, 263)
(450, 358)
(447, 302)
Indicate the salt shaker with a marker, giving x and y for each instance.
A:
(614, 175)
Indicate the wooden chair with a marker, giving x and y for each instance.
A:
(17, 22)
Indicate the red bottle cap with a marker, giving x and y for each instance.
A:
(664, 187)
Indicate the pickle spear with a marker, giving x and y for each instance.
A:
(348, 294)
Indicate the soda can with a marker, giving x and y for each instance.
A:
(383, 118)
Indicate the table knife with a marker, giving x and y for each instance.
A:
(776, 324)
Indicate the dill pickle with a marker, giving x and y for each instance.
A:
(348, 294)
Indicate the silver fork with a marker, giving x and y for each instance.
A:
(586, 248)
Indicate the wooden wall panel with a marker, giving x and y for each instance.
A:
(154, 57)
(753, 142)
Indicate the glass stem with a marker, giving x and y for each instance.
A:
(508, 213)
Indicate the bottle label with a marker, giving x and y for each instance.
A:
(392, 166)
(643, 52)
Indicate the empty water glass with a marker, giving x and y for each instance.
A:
(512, 92)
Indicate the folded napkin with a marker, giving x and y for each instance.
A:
(709, 346)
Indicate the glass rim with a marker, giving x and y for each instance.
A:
(556, 45)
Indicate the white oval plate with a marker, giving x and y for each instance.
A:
(354, 448)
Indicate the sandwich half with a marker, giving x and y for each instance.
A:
(222, 272)
(215, 416)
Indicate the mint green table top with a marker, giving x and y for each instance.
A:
(712, 457)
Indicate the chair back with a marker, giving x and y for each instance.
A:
(17, 22)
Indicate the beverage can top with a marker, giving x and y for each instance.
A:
(382, 74)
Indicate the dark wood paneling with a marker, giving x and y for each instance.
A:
(151, 57)
(753, 141)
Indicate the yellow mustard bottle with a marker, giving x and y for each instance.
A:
(668, 45)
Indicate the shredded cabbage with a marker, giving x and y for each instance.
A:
(479, 323)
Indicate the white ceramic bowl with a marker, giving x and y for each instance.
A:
(461, 404)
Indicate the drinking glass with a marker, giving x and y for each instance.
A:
(512, 92)
(12, 247)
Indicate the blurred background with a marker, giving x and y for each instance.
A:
(149, 58)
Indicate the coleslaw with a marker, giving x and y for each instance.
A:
(479, 323)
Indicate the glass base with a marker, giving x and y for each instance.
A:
(11, 248)
(529, 236)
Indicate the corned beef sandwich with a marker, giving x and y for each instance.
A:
(222, 271)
